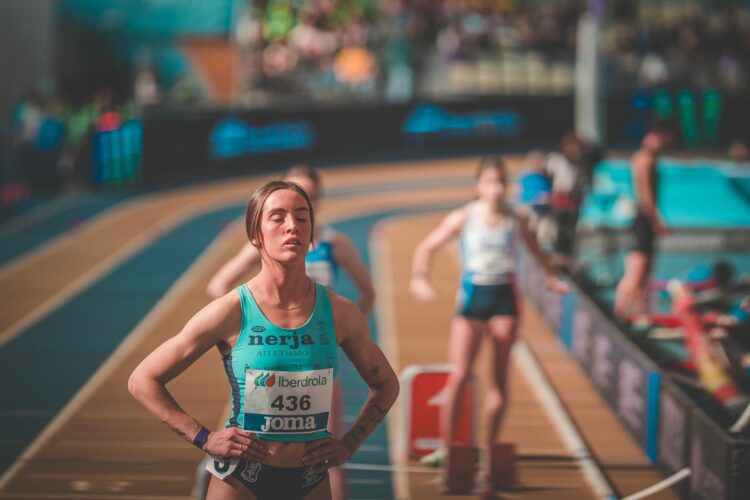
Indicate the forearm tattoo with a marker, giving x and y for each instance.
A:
(377, 414)
(373, 375)
(179, 432)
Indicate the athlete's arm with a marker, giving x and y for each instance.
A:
(450, 227)
(231, 273)
(354, 338)
(211, 326)
(346, 254)
(530, 239)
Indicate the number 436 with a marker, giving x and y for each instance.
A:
(292, 403)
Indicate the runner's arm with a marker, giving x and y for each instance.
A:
(346, 254)
(449, 228)
(529, 238)
(231, 273)
(211, 326)
(373, 367)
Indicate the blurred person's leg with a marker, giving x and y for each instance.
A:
(631, 294)
(465, 340)
(502, 331)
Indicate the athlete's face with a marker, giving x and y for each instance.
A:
(285, 225)
(308, 186)
(491, 186)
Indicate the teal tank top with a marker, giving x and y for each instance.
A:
(282, 378)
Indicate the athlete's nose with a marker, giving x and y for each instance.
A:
(292, 225)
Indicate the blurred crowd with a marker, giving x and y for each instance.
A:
(319, 48)
(324, 48)
(367, 48)
(50, 144)
(678, 45)
(458, 29)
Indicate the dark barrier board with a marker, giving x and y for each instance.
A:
(197, 141)
(181, 143)
(720, 464)
(675, 410)
(628, 380)
(708, 460)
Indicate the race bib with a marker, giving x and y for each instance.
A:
(283, 402)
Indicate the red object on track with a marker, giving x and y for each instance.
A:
(423, 397)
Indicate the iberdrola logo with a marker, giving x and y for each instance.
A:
(265, 380)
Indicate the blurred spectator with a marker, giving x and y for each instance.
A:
(38, 135)
(653, 71)
(570, 170)
(563, 168)
(145, 89)
(533, 196)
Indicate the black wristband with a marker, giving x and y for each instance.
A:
(200, 439)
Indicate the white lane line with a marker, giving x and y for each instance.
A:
(382, 274)
(561, 419)
(661, 485)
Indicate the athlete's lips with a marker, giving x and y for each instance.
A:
(292, 241)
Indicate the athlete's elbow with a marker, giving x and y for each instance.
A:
(136, 384)
(394, 387)
(367, 299)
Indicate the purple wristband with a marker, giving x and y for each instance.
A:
(200, 439)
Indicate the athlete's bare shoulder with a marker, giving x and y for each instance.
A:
(457, 216)
(347, 317)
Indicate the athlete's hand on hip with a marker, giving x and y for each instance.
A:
(326, 453)
(422, 289)
(235, 442)
(556, 284)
